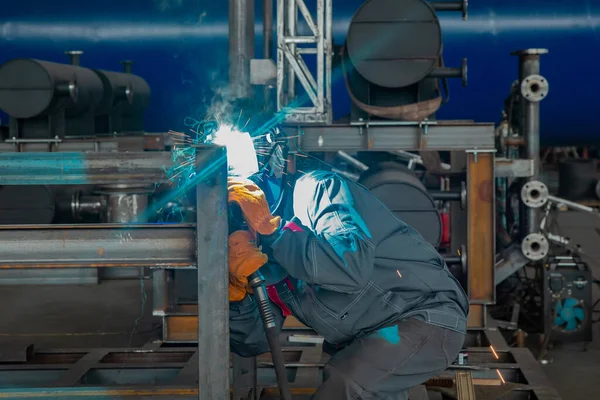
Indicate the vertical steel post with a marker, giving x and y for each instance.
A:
(328, 57)
(529, 64)
(321, 48)
(211, 253)
(241, 47)
(292, 19)
(281, 63)
(267, 43)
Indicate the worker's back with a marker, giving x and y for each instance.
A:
(409, 277)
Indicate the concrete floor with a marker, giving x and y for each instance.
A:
(104, 316)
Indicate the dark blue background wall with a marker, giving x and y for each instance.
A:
(180, 48)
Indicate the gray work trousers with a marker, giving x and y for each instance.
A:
(376, 367)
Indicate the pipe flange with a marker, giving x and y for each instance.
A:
(75, 203)
(535, 246)
(534, 88)
(534, 194)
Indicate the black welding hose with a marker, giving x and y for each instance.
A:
(260, 295)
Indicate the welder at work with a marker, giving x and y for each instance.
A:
(339, 261)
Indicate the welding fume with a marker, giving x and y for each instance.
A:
(334, 257)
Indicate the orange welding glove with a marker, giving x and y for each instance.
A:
(253, 203)
(245, 258)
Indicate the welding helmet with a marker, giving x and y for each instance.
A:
(272, 151)
(272, 179)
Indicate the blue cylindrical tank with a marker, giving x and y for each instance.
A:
(180, 48)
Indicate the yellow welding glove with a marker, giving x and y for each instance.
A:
(245, 258)
(253, 203)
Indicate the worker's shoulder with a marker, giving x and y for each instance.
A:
(319, 177)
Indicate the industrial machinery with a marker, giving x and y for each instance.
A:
(46, 100)
(567, 300)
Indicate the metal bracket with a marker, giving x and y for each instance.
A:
(477, 151)
(263, 72)
(509, 168)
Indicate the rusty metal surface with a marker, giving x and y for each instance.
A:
(95, 246)
(480, 230)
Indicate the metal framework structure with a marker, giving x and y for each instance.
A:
(292, 67)
(201, 246)
(164, 373)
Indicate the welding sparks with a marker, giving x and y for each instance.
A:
(241, 155)
(494, 351)
(501, 377)
(497, 358)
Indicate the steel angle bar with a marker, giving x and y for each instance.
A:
(307, 17)
(106, 245)
(301, 77)
(402, 136)
(306, 71)
(509, 168)
(512, 261)
(58, 168)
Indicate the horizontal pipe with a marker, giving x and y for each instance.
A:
(57, 168)
(447, 5)
(353, 160)
(453, 260)
(445, 72)
(446, 196)
(300, 39)
(97, 246)
(572, 204)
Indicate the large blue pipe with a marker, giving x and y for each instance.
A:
(180, 48)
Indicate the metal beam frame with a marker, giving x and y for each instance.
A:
(389, 136)
(146, 141)
(170, 372)
(97, 246)
(149, 245)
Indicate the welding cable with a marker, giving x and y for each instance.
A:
(260, 294)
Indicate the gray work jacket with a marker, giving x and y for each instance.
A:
(354, 269)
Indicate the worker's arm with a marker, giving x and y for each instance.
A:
(247, 333)
(336, 250)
